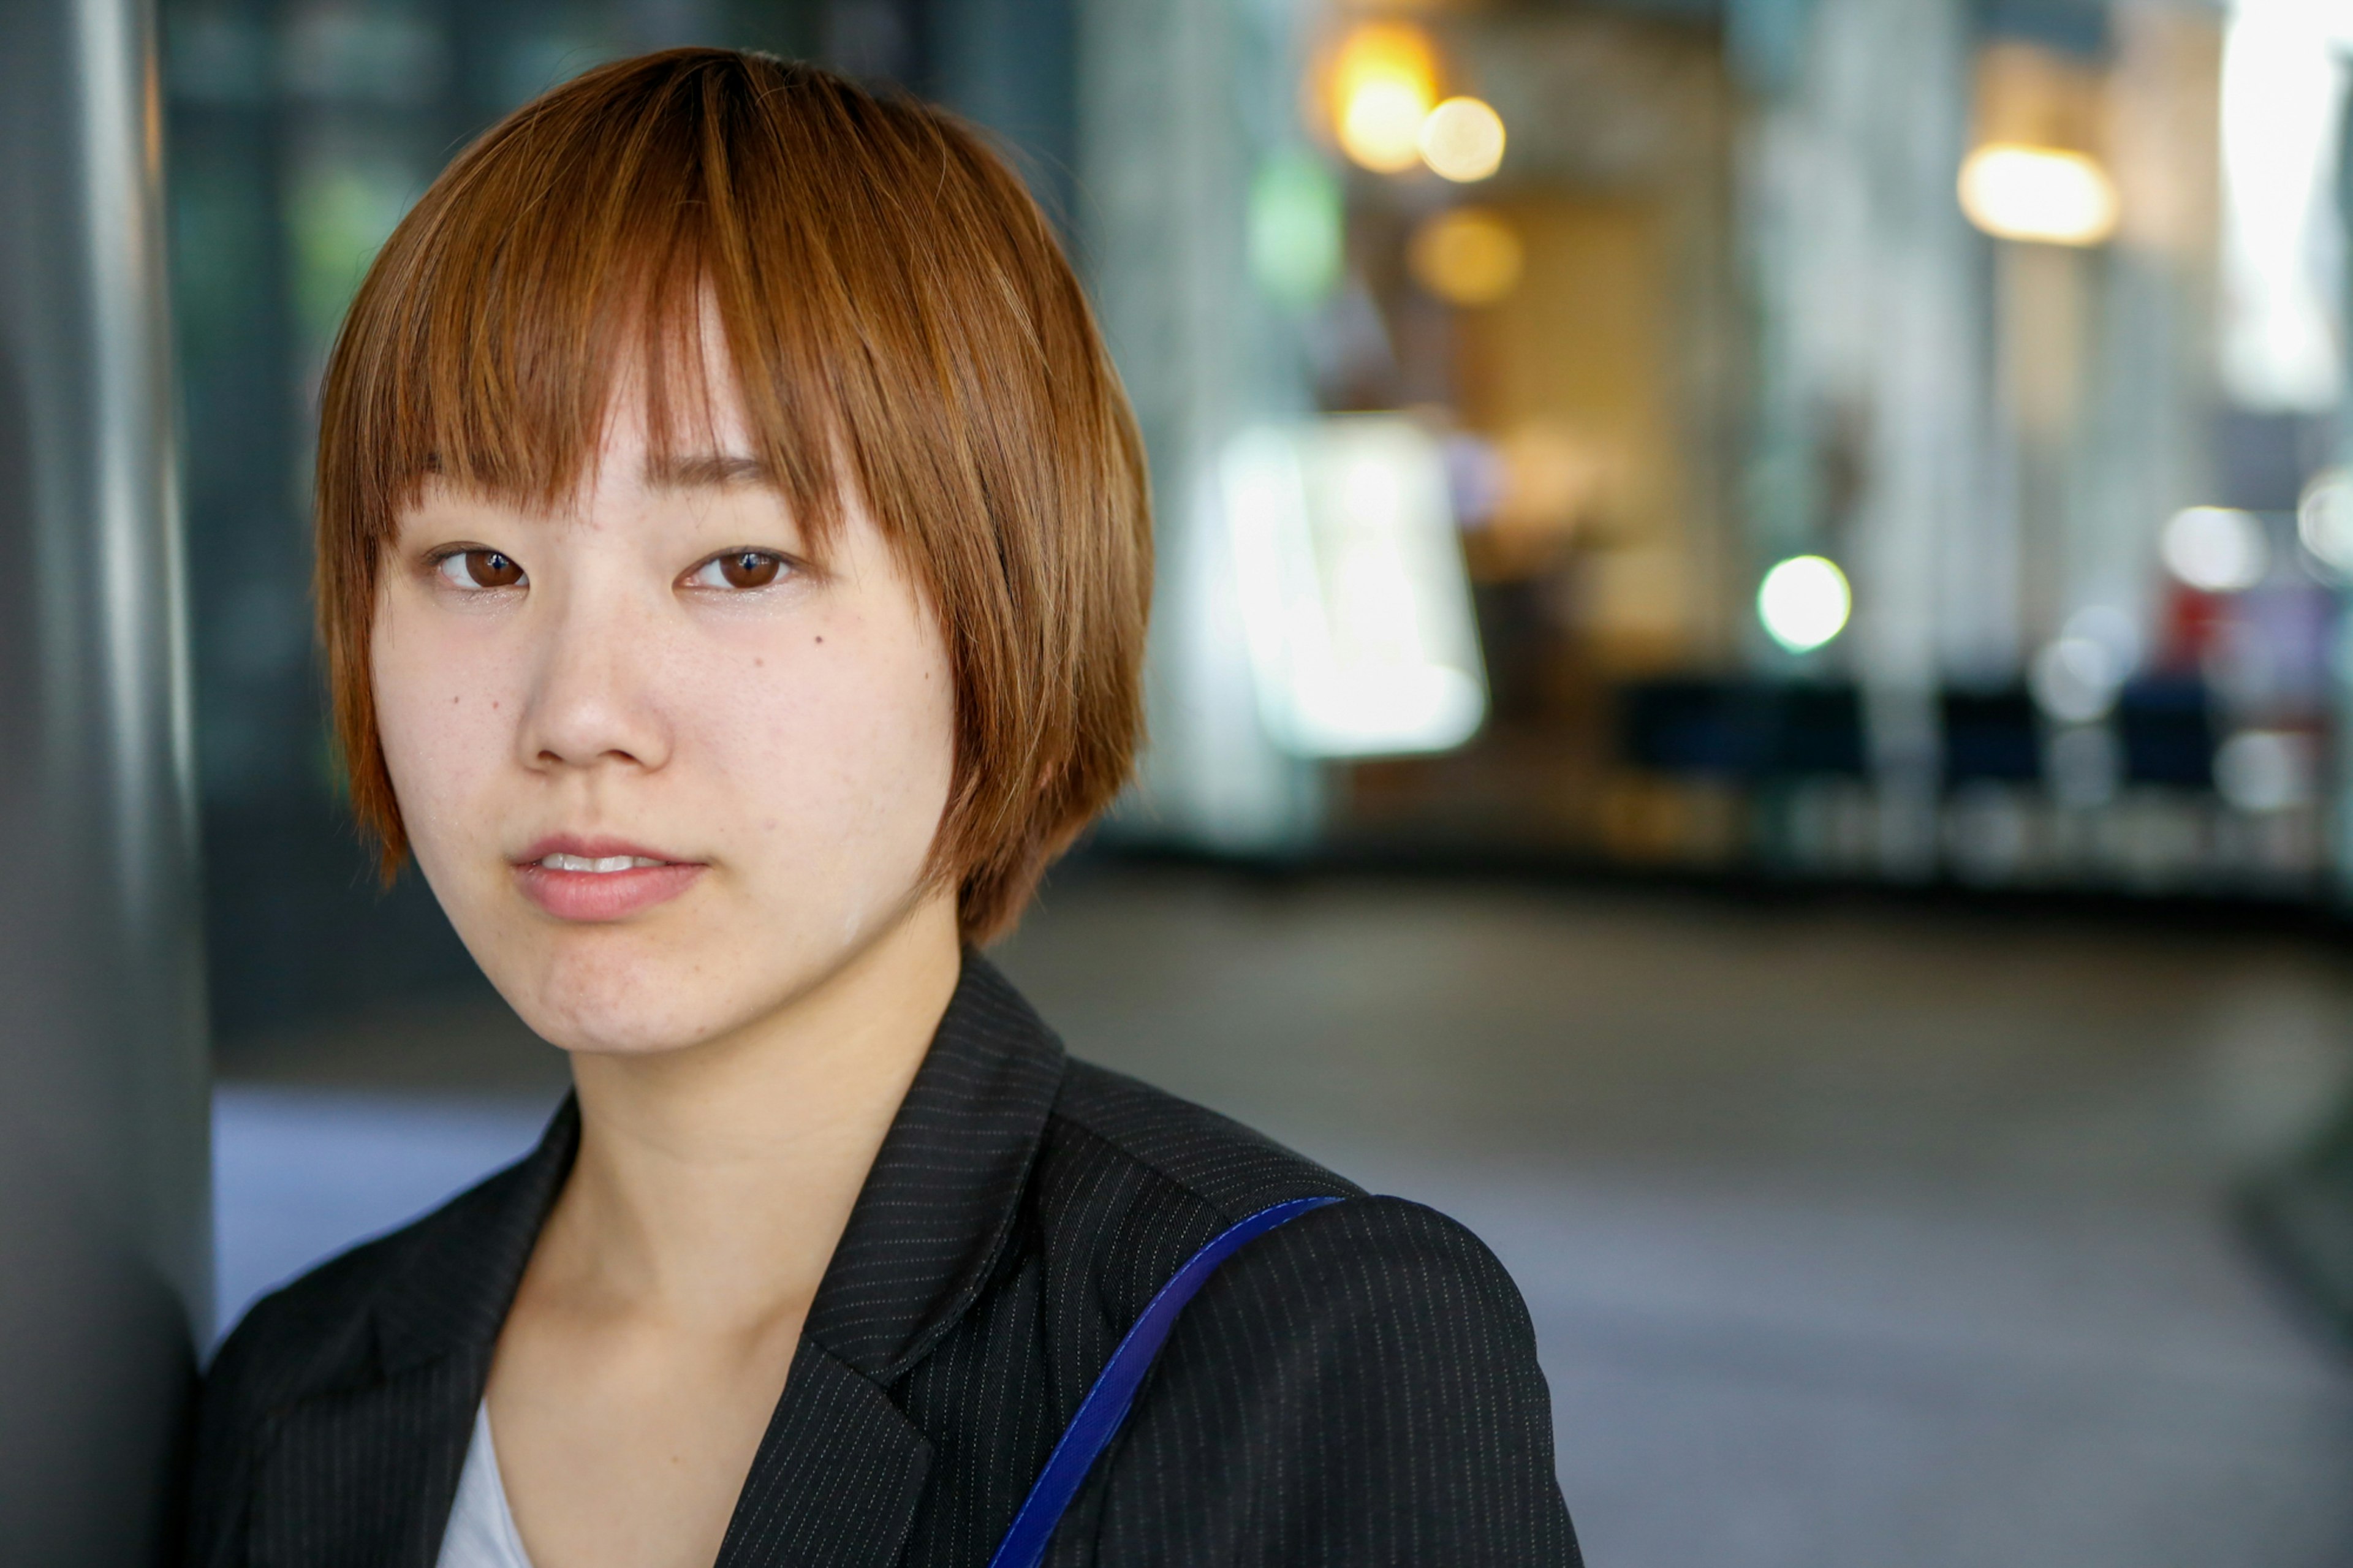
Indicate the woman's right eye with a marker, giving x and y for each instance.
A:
(478, 569)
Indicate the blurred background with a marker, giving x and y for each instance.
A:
(1747, 695)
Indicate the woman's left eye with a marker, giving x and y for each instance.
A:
(478, 569)
(739, 569)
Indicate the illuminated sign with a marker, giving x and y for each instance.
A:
(1358, 614)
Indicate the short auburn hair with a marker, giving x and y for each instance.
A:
(902, 328)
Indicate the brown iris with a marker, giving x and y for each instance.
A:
(490, 569)
(749, 568)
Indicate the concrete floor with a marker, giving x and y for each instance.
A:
(1855, 1238)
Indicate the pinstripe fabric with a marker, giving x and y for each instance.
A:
(1359, 1387)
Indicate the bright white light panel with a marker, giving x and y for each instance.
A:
(1350, 576)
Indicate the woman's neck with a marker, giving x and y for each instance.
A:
(712, 1182)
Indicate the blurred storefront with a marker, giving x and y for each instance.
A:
(1880, 440)
(1886, 438)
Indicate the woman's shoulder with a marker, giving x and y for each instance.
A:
(1132, 1180)
(1357, 1384)
(1105, 1122)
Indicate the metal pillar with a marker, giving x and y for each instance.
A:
(104, 1192)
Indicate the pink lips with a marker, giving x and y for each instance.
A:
(599, 896)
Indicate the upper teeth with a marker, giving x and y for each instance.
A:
(605, 863)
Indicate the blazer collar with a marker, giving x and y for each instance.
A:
(922, 1241)
(941, 1201)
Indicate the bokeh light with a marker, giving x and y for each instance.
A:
(2324, 520)
(1384, 82)
(2265, 769)
(1462, 139)
(2075, 679)
(1804, 602)
(2044, 194)
(1468, 256)
(2216, 549)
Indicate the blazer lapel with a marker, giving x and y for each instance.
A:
(366, 1478)
(839, 1473)
(363, 1477)
(836, 1477)
(937, 1208)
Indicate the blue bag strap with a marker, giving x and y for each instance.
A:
(1106, 1404)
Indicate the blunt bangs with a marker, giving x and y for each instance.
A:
(899, 324)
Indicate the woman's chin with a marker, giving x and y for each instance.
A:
(649, 988)
(612, 1012)
(609, 1036)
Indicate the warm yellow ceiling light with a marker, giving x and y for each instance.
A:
(2015, 192)
(1384, 79)
(1462, 139)
(1466, 257)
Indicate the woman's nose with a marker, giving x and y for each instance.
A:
(595, 697)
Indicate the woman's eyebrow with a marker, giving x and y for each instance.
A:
(700, 469)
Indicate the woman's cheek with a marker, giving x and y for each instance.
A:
(843, 751)
(442, 746)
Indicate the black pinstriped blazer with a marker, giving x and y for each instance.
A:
(1359, 1387)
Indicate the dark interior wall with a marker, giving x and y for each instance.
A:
(1011, 65)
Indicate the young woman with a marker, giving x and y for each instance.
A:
(733, 558)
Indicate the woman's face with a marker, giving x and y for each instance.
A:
(664, 770)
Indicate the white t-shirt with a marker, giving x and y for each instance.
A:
(482, 1532)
